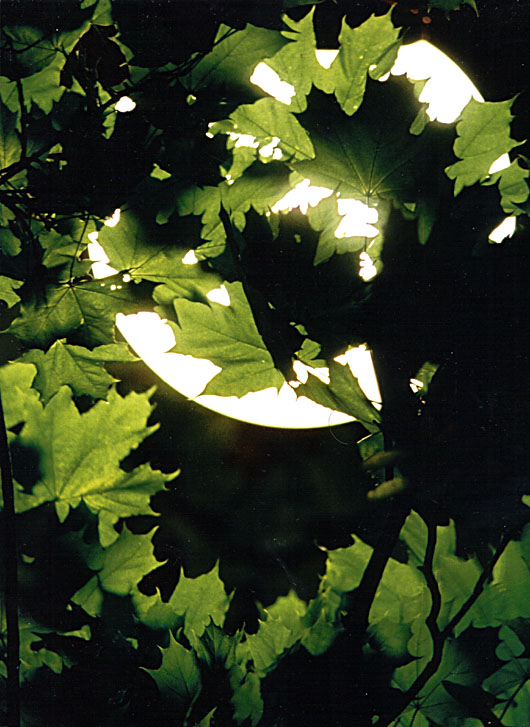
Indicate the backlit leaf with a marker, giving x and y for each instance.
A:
(78, 367)
(371, 48)
(80, 456)
(126, 562)
(227, 336)
(8, 286)
(483, 135)
(200, 600)
(343, 393)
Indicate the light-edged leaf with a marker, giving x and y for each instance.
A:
(269, 118)
(80, 456)
(78, 367)
(483, 135)
(513, 187)
(227, 336)
(147, 251)
(343, 393)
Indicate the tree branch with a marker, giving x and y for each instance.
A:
(11, 579)
(441, 636)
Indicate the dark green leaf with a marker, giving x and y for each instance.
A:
(88, 309)
(178, 678)
(10, 148)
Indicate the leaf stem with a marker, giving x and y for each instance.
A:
(11, 579)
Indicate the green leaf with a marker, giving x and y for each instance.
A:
(448, 5)
(88, 309)
(343, 393)
(80, 456)
(483, 135)
(147, 251)
(267, 645)
(78, 367)
(178, 678)
(10, 147)
(200, 600)
(232, 61)
(9, 243)
(247, 701)
(374, 43)
(7, 290)
(297, 63)
(18, 398)
(26, 50)
(126, 562)
(44, 88)
(90, 597)
(510, 646)
(513, 187)
(269, 118)
(227, 336)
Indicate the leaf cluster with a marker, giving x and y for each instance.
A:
(204, 164)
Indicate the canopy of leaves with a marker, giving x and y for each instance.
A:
(199, 165)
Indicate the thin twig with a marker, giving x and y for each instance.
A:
(11, 579)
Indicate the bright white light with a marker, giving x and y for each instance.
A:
(113, 221)
(190, 258)
(219, 295)
(302, 196)
(271, 149)
(243, 140)
(359, 359)
(503, 162)
(367, 268)
(270, 82)
(152, 339)
(326, 57)
(447, 90)
(100, 260)
(358, 219)
(125, 104)
(504, 230)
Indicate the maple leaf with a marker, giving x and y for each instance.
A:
(178, 678)
(483, 135)
(227, 336)
(78, 367)
(80, 456)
